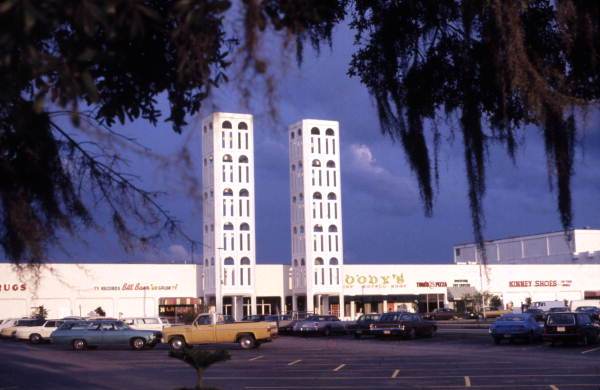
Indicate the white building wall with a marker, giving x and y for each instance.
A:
(316, 215)
(77, 289)
(586, 240)
(229, 220)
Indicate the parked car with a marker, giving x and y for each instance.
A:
(516, 326)
(362, 326)
(547, 305)
(37, 334)
(403, 324)
(145, 323)
(81, 335)
(574, 327)
(325, 325)
(538, 314)
(9, 331)
(593, 311)
(212, 328)
(468, 315)
(441, 313)
(489, 312)
(7, 322)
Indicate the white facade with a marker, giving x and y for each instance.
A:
(125, 290)
(578, 247)
(228, 213)
(316, 214)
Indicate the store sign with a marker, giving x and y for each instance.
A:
(138, 287)
(432, 284)
(13, 287)
(374, 281)
(539, 283)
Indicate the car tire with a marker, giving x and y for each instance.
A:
(327, 332)
(35, 338)
(531, 338)
(137, 344)
(357, 335)
(177, 343)
(497, 340)
(79, 345)
(412, 334)
(247, 341)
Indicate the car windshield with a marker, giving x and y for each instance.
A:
(561, 319)
(74, 325)
(585, 308)
(321, 318)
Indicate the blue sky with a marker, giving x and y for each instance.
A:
(382, 214)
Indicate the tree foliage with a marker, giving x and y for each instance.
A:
(497, 66)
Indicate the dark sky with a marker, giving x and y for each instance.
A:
(383, 217)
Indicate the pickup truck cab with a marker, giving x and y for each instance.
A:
(214, 328)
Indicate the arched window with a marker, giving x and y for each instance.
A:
(293, 167)
(331, 196)
(301, 197)
(228, 261)
(330, 164)
(244, 193)
(212, 261)
(301, 229)
(295, 262)
(206, 262)
(302, 262)
(242, 126)
(315, 131)
(299, 164)
(293, 199)
(243, 159)
(227, 158)
(299, 132)
(245, 261)
(318, 229)
(332, 229)
(316, 163)
(227, 125)
(228, 226)
(295, 229)
(318, 261)
(333, 261)
(329, 132)
(227, 192)
(245, 227)
(317, 195)
(292, 135)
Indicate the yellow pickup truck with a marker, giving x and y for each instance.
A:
(212, 328)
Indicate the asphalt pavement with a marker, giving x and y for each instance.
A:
(447, 361)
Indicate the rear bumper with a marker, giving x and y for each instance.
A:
(561, 336)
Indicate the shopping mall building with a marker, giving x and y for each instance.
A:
(227, 279)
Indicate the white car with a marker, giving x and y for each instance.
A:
(145, 323)
(7, 322)
(37, 334)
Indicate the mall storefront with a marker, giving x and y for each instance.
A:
(172, 290)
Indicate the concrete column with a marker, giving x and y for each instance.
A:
(326, 308)
(294, 303)
(253, 305)
(342, 306)
(282, 305)
(310, 302)
(318, 309)
(385, 308)
(219, 304)
(234, 307)
(352, 310)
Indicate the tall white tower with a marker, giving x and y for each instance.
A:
(316, 217)
(228, 269)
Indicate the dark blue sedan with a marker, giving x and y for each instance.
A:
(516, 326)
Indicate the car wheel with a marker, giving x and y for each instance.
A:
(412, 334)
(531, 338)
(177, 343)
(79, 345)
(35, 338)
(356, 335)
(138, 343)
(247, 342)
(497, 340)
(327, 332)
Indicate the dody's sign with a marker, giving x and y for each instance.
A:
(374, 281)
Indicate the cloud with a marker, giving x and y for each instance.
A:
(177, 252)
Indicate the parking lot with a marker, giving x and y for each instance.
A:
(450, 360)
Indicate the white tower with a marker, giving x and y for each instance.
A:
(228, 270)
(316, 217)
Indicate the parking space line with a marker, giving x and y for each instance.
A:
(553, 387)
(591, 350)
(294, 362)
(256, 358)
(395, 374)
(467, 381)
(339, 367)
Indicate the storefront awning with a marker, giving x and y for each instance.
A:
(459, 293)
